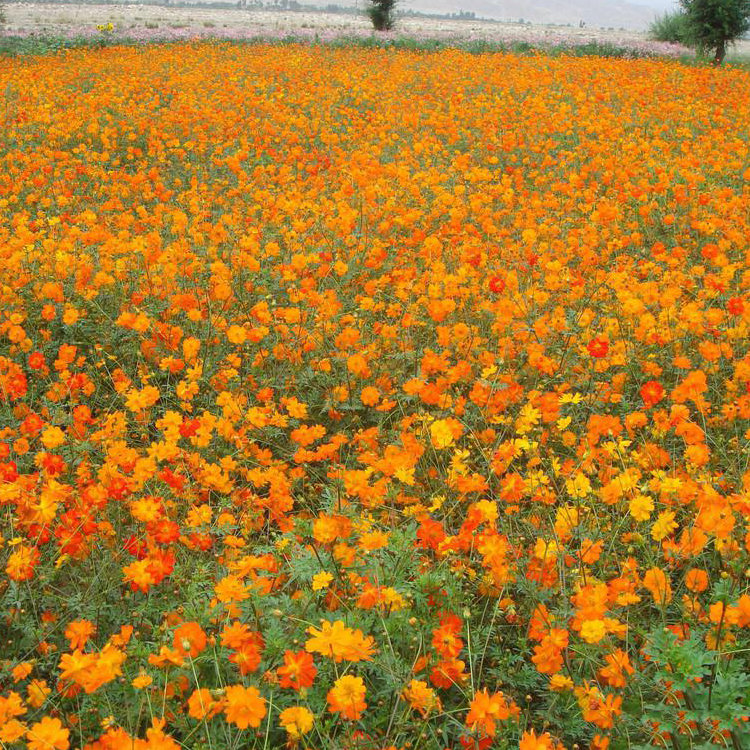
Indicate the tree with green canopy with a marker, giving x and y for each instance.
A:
(711, 25)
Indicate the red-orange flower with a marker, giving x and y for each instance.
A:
(652, 392)
(189, 639)
(298, 670)
(598, 347)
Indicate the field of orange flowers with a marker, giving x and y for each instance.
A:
(355, 399)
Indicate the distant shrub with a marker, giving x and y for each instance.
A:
(671, 27)
(382, 14)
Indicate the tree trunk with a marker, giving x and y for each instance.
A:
(721, 52)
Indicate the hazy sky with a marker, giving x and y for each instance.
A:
(658, 4)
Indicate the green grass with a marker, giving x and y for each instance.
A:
(49, 44)
(738, 61)
(13, 46)
(590, 49)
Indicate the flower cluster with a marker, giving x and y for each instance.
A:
(362, 398)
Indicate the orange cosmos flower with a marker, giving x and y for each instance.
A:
(448, 672)
(297, 721)
(76, 666)
(735, 305)
(696, 580)
(22, 671)
(597, 708)
(158, 739)
(652, 392)
(298, 670)
(247, 657)
(37, 692)
(446, 639)
(143, 680)
(592, 631)
(548, 655)
(48, 734)
(236, 334)
(347, 697)
(486, 710)
(243, 706)
(657, 583)
(370, 396)
(21, 563)
(357, 365)
(235, 634)
(532, 741)
(497, 284)
(189, 639)
(339, 642)
(421, 697)
(617, 668)
(598, 347)
(78, 633)
(201, 705)
(139, 575)
(443, 432)
(36, 360)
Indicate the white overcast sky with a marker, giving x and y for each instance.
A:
(658, 4)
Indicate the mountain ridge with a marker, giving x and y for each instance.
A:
(596, 13)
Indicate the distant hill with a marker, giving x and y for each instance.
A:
(596, 13)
